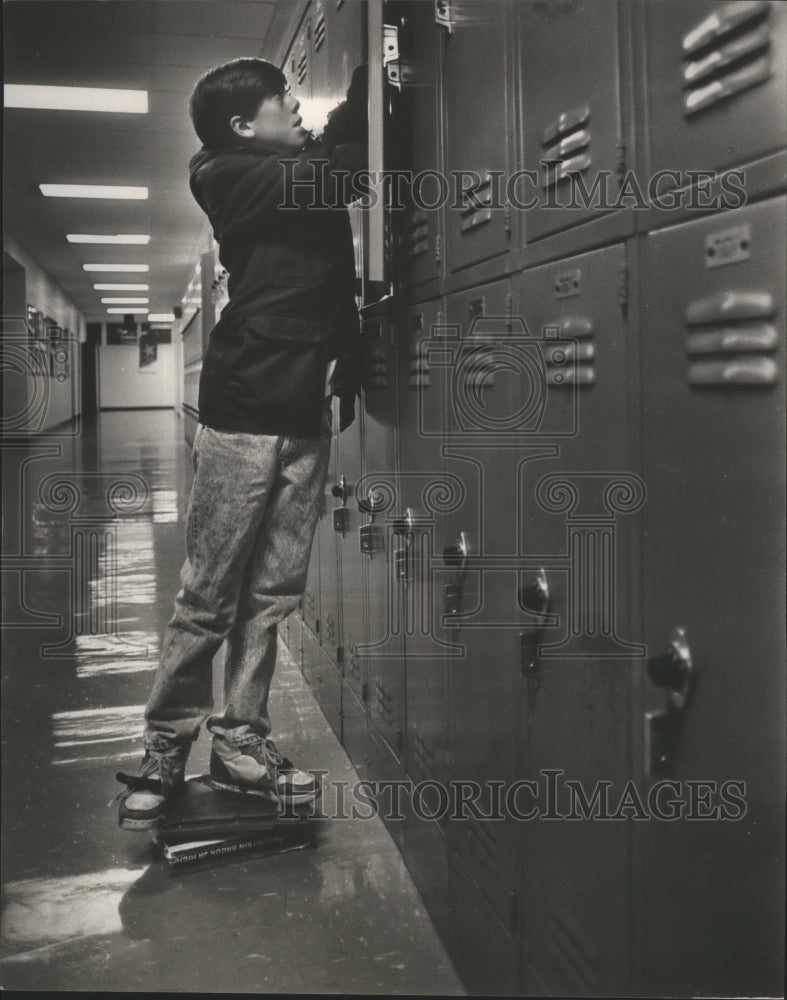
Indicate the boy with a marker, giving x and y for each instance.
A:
(263, 440)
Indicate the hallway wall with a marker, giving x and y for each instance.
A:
(121, 383)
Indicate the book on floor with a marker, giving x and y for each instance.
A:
(190, 855)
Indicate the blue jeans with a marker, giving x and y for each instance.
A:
(250, 525)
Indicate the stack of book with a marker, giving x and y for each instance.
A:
(206, 827)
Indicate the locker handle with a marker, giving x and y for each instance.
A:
(730, 306)
(674, 669)
(536, 599)
(574, 327)
(722, 21)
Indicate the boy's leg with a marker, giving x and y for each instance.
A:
(273, 586)
(233, 474)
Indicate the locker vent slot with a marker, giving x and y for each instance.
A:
(414, 240)
(319, 29)
(377, 369)
(419, 367)
(424, 758)
(573, 953)
(566, 143)
(570, 360)
(484, 842)
(381, 702)
(301, 64)
(476, 199)
(726, 53)
(731, 340)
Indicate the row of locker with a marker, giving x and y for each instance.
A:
(552, 544)
(496, 104)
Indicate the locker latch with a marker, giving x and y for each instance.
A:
(371, 539)
(341, 519)
(444, 14)
(536, 600)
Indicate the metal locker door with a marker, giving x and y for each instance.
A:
(329, 552)
(715, 83)
(714, 408)
(411, 141)
(576, 668)
(480, 594)
(346, 38)
(570, 108)
(320, 49)
(297, 67)
(477, 90)
(311, 593)
(347, 517)
(377, 493)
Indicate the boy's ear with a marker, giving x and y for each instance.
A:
(240, 125)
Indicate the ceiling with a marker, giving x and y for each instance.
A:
(161, 46)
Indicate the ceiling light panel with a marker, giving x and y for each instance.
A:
(116, 267)
(120, 192)
(122, 287)
(133, 102)
(127, 239)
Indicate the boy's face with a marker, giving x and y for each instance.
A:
(277, 124)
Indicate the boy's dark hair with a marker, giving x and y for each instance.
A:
(234, 88)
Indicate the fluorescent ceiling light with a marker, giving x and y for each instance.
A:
(120, 191)
(115, 300)
(108, 287)
(162, 317)
(127, 238)
(125, 311)
(133, 102)
(115, 267)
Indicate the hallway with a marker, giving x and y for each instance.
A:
(93, 546)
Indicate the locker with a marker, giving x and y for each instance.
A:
(328, 543)
(576, 667)
(346, 523)
(715, 83)
(311, 594)
(476, 67)
(381, 657)
(481, 948)
(411, 141)
(713, 365)
(324, 680)
(354, 724)
(425, 853)
(570, 108)
(320, 49)
(297, 65)
(346, 40)
(481, 593)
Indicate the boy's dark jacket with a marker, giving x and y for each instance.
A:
(291, 286)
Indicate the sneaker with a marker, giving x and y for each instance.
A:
(147, 794)
(257, 768)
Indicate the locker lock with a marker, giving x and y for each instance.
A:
(404, 525)
(339, 490)
(674, 669)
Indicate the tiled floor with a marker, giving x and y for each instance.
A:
(93, 546)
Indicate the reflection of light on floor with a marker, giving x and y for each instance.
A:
(129, 652)
(165, 506)
(41, 911)
(130, 588)
(97, 725)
